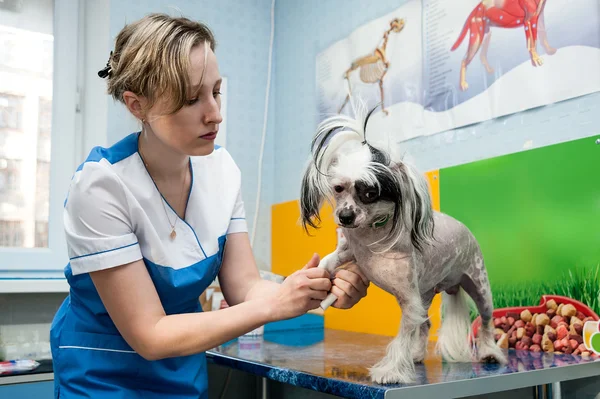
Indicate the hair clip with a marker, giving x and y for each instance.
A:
(104, 72)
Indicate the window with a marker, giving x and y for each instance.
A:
(38, 70)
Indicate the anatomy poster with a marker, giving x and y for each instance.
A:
(451, 64)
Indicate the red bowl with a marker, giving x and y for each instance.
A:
(541, 308)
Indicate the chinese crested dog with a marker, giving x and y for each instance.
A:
(391, 232)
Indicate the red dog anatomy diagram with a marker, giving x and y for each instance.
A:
(502, 14)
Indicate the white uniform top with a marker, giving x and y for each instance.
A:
(125, 218)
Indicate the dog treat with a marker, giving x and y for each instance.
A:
(527, 340)
(547, 344)
(551, 313)
(548, 329)
(535, 348)
(520, 323)
(558, 345)
(569, 310)
(559, 309)
(578, 329)
(521, 346)
(551, 304)
(542, 319)
(580, 315)
(575, 320)
(512, 341)
(585, 354)
(552, 336)
(530, 329)
(574, 343)
(555, 320)
(577, 338)
(540, 330)
(533, 319)
(520, 332)
(562, 332)
(526, 315)
(537, 339)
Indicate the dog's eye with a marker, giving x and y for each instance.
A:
(338, 189)
(368, 196)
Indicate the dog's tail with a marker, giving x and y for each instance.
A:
(455, 332)
(465, 29)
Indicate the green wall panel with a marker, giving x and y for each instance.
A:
(536, 215)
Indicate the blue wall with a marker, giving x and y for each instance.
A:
(242, 29)
(305, 28)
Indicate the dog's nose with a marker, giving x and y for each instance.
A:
(346, 216)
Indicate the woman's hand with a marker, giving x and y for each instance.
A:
(301, 291)
(350, 286)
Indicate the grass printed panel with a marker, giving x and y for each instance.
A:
(536, 215)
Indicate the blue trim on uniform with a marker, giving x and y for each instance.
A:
(238, 218)
(217, 146)
(195, 235)
(102, 252)
(119, 151)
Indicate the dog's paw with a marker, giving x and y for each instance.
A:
(419, 351)
(389, 374)
(491, 354)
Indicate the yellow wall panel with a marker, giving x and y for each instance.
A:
(291, 248)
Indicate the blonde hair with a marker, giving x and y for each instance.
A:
(152, 59)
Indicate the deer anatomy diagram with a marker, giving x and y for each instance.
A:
(502, 14)
(372, 68)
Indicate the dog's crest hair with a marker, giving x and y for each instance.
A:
(412, 210)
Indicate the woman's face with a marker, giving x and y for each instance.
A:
(193, 129)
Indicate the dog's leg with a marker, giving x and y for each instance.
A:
(332, 261)
(475, 282)
(453, 337)
(486, 44)
(475, 40)
(544, 36)
(422, 334)
(530, 24)
(397, 366)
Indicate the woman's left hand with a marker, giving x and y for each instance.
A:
(349, 285)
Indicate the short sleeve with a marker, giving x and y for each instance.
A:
(97, 222)
(238, 224)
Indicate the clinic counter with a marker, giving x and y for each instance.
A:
(333, 363)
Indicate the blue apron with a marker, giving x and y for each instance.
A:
(92, 360)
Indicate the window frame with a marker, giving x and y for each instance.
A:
(49, 263)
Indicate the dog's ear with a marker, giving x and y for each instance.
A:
(417, 211)
(312, 196)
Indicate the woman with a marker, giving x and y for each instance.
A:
(152, 221)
